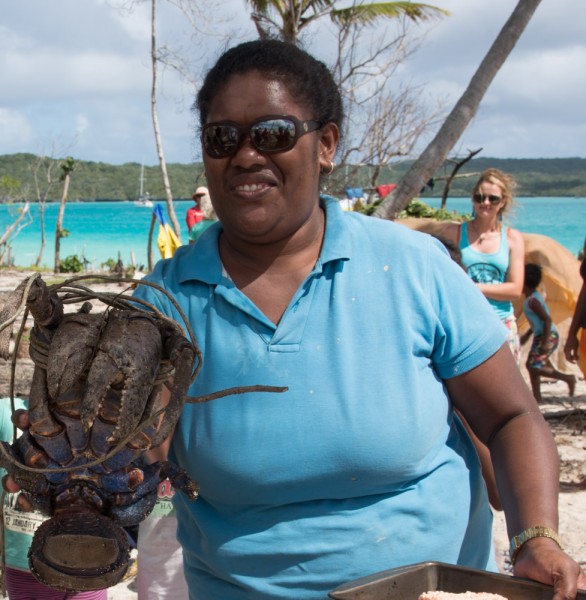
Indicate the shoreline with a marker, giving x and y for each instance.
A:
(100, 232)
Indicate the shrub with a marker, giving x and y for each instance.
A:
(71, 264)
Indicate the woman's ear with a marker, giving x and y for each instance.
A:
(328, 144)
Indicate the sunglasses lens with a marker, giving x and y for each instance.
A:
(220, 140)
(273, 135)
(482, 197)
(270, 134)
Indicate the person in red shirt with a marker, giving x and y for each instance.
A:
(205, 217)
(195, 214)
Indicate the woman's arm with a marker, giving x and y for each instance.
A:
(571, 345)
(486, 466)
(523, 339)
(512, 288)
(161, 452)
(504, 415)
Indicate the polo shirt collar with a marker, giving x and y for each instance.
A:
(204, 264)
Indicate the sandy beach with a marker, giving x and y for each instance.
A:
(566, 417)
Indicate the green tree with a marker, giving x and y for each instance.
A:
(286, 18)
(9, 188)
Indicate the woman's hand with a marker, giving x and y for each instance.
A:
(20, 418)
(542, 560)
(504, 415)
(571, 349)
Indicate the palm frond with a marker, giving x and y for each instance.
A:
(368, 13)
(317, 5)
(261, 7)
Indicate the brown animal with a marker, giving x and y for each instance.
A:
(95, 407)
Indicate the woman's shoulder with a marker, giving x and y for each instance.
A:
(513, 233)
(515, 237)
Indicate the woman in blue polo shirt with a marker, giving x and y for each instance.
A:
(362, 464)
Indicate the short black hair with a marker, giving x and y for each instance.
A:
(308, 80)
(533, 274)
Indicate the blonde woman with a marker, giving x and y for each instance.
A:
(492, 253)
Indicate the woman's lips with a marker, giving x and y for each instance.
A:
(249, 188)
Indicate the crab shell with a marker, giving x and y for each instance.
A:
(79, 552)
(96, 387)
(94, 410)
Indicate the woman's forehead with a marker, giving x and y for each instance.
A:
(252, 94)
(487, 184)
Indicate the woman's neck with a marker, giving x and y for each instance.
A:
(300, 251)
(481, 231)
(271, 275)
(485, 225)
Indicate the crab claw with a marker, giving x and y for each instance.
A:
(184, 360)
(45, 305)
(71, 351)
(127, 360)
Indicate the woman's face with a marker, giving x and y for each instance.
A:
(485, 208)
(262, 197)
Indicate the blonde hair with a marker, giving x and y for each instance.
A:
(505, 182)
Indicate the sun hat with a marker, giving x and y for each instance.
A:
(202, 199)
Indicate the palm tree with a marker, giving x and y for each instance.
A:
(462, 113)
(286, 18)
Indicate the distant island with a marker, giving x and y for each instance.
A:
(97, 181)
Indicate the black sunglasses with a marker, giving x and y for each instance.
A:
(482, 197)
(270, 134)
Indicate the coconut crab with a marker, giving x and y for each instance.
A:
(95, 408)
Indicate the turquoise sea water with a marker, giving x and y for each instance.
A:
(101, 230)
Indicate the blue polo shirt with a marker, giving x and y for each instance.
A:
(361, 465)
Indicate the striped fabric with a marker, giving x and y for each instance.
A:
(21, 585)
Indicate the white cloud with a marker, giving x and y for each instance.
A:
(57, 75)
(82, 124)
(534, 106)
(14, 125)
(134, 22)
(80, 71)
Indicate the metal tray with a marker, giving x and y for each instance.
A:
(407, 583)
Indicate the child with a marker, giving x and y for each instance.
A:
(545, 335)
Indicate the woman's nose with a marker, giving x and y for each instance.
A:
(246, 153)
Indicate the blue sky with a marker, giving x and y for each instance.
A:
(75, 76)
